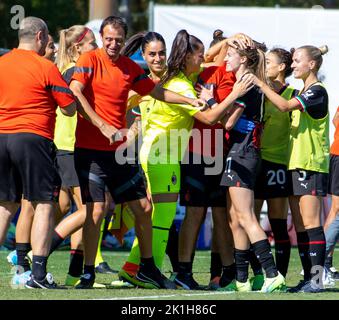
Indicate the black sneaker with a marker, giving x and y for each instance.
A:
(46, 283)
(153, 279)
(306, 287)
(86, 281)
(186, 281)
(297, 287)
(103, 267)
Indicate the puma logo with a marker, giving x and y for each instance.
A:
(230, 176)
(304, 185)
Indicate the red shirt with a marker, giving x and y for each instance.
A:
(223, 82)
(335, 144)
(31, 88)
(107, 84)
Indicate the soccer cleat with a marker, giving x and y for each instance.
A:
(297, 287)
(104, 268)
(71, 281)
(153, 279)
(257, 282)
(120, 284)
(12, 258)
(127, 277)
(173, 275)
(19, 280)
(327, 280)
(274, 284)
(309, 287)
(86, 281)
(214, 284)
(334, 273)
(186, 281)
(46, 283)
(237, 286)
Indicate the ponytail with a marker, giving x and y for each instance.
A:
(183, 44)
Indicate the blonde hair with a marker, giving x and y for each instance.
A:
(316, 54)
(67, 51)
(255, 61)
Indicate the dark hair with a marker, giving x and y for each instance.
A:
(260, 45)
(284, 57)
(140, 40)
(183, 44)
(218, 35)
(114, 21)
(316, 54)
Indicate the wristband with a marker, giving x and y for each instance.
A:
(211, 102)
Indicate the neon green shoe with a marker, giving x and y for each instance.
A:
(274, 284)
(73, 281)
(127, 277)
(257, 282)
(237, 286)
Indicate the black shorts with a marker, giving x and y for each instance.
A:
(98, 169)
(198, 189)
(305, 182)
(27, 168)
(333, 177)
(66, 168)
(272, 181)
(241, 170)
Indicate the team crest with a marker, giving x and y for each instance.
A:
(174, 179)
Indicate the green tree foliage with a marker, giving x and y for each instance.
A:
(58, 14)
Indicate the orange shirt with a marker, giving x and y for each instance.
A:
(106, 86)
(335, 144)
(31, 88)
(223, 83)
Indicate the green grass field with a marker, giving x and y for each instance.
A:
(58, 266)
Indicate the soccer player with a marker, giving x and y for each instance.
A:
(26, 139)
(51, 50)
(308, 161)
(331, 225)
(159, 158)
(272, 182)
(242, 166)
(101, 83)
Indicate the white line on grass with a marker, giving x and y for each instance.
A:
(169, 296)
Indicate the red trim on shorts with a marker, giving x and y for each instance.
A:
(312, 242)
(282, 241)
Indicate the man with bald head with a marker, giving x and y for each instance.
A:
(31, 88)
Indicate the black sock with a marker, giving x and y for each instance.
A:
(56, 242)
(282, 244)
(39, 265)
(76, 263)
(254, 262)
(147, 263)
(242, 262)
(185, 267)
(262, 250)
(329, 262)
(21, 250)
(89, 269)
(303, 247)
(172, 247)
(228, 275)
(317, 249)
(216, 267)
